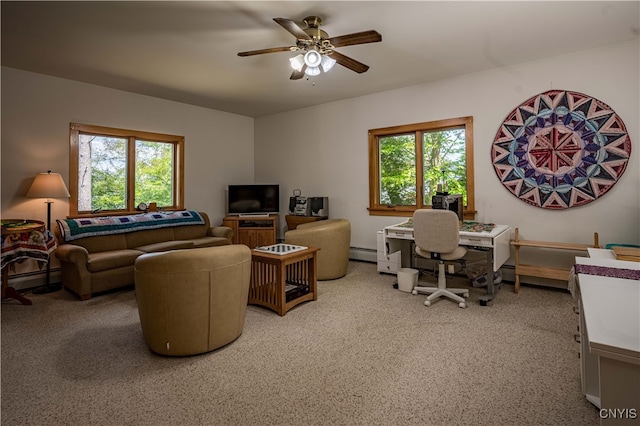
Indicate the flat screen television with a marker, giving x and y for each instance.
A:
(253, 199)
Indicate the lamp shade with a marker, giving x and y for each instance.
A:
(48, 185)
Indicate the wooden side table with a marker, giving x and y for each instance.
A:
(281, 281)
(293, 221)
(23, 239)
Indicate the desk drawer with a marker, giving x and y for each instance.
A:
(391, 257)
(396, 233)
(466, 240)
(389, 267)
(390, 263)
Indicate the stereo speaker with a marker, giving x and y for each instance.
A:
(319, 206)
(299, 206)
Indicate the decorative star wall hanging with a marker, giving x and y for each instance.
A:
(560, 149)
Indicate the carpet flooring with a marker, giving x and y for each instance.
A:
(364, 353)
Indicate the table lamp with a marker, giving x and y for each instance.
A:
(48, 185)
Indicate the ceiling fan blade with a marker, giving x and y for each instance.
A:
(297, 75)
(363, 37)
(261, 51)
(293, 28)
(350, 63)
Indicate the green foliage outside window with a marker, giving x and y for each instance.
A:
(445, 163)
(444, 160)
(106, 173)
(398, 170)
(154, 173)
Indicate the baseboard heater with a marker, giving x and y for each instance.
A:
(363, 254)
(27, 280)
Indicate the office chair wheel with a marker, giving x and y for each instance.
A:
(465, 295)
(427, 303)
(414, 292)
(462, 305)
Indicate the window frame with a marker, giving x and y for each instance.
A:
(75, 129)
(375, 208)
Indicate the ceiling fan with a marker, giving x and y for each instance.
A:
(318, 54)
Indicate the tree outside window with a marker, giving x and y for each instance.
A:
(445, 163)
(119, 169)
(404, 174)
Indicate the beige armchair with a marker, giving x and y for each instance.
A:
(192, 301)
(333, 237)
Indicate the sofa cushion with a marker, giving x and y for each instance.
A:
(191, 232)
(112, 259)
(165, 246)
(102, 243)
(209, 242)
(148, 236)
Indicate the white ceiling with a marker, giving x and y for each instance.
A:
(187, 51)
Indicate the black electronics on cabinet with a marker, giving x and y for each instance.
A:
(319, 206)
(299, 206)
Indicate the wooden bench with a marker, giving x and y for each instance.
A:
(542, 271)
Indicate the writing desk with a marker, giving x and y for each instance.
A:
(495, 242)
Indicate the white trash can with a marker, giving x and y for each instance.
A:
(407, 279)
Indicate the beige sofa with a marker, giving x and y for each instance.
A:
(333, 237)
(95, 264)
(192, 301)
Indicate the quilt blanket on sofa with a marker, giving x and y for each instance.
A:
(73, 229)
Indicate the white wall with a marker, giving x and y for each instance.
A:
(323, 150)
(37, 110)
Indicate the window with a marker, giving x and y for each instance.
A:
(114, 170)
(408, 163)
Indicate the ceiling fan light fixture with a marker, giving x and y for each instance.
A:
(311, 71)
(327, 63)
(316, 47)
(312, 58)
(297, 62)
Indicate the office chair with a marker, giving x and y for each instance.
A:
(436, 234)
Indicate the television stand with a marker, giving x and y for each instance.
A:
(251, 230)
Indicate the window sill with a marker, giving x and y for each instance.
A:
(408, 212)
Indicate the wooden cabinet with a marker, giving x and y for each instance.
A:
(293, 221)
(256, 237)
(252, 231)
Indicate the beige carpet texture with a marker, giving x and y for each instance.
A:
(364, 353)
